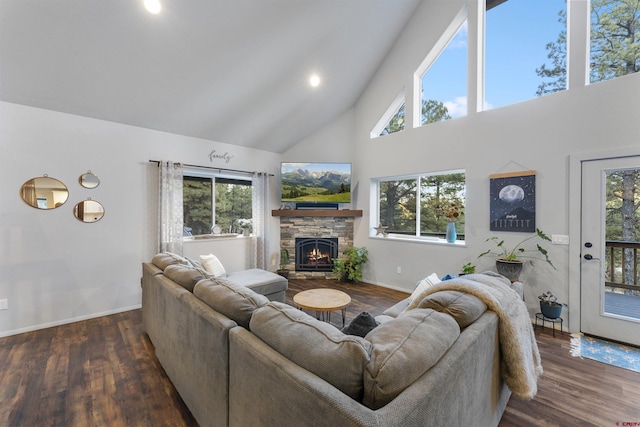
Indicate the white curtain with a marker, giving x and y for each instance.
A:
(170, 207)
(260, 218)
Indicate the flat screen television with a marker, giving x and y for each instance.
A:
(316, 182)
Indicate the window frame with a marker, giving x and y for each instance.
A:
(374, 211)
(230, 177)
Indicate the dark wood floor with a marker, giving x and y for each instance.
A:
(102, 372)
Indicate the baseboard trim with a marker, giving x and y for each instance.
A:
(67, 321)
(384, 285)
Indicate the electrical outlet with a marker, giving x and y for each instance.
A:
(4, 304)
(399, 270)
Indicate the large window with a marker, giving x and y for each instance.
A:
(525, 50)
(443, 81)
(218, 200)
(420, 206)
(615, 39)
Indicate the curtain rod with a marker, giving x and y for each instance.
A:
(208, 167)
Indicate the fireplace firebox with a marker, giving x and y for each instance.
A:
(316, 254)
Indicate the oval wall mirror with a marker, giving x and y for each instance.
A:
(88, 211)
(44, 192)
(89, 180)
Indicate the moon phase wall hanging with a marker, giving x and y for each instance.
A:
(513, 201)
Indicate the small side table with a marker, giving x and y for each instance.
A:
(540, 316)
(323, 301)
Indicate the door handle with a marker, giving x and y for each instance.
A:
(589, 257)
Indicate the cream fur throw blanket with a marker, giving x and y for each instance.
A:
(521, 365)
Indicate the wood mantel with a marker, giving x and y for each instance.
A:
(317, 212)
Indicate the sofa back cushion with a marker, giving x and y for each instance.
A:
(184, 275)
(164, 259)
(463, 307)
(234, 301)
(316, 346)
(403, 350)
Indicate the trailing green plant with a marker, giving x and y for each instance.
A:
(468, 268)
(349, 266)
(518, 252)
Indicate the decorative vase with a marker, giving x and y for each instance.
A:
(509, 269)
(451, 232)
(550, 311)
(245, 232)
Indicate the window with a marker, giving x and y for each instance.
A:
(522, 36)
(215, 199)
(392, 120)
(615, 34)
(443, 76)
(419, 206)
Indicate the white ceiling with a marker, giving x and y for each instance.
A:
(233, 71)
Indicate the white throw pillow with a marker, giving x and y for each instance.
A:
(424, 284)
(212, 265)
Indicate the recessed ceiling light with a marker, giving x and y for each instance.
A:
(153, 6)
(314, 80)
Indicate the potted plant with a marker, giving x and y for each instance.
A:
(509, 262)
(245, 225)
(349, 267)
(549, 305)
(468, 268)
(284, 260)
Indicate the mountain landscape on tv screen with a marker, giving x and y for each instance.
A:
(304, 185)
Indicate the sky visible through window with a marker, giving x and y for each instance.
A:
(517, 33)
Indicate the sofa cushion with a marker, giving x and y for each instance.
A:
(403, 350)
(423, 284)
(262, 281)
(463, 307)
(234, 301)
(164, 259)
(184, 275)
(212, 265)
(316, 346)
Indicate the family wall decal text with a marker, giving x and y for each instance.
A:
(213, 155)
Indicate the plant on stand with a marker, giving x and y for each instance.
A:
(549, 305)
(349, 266)
(509, 261)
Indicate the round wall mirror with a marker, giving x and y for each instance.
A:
(89, 180)
(88, 211)
(44, 192)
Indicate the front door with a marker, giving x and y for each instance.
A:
(610, 249)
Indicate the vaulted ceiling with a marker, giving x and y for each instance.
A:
(233, 71)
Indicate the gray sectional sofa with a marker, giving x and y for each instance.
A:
(240, 358)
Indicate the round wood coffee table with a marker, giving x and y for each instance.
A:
(323, 301)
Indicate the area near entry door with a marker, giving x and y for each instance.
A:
(610, 289)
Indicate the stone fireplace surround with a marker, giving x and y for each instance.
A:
(294, 224)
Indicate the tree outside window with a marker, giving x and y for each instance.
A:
(232, 202)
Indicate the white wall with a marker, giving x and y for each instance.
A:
(55, 269)
(538, 134)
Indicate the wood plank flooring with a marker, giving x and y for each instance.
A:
(102, 372)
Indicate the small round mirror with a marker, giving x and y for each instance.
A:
(89, 180)
(44, 192)
(88, 211)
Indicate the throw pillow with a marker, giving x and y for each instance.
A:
(212, 265)
(361, 325)
(424, 284)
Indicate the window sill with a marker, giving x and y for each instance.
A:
(421, 240)
(205, 237)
